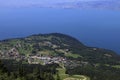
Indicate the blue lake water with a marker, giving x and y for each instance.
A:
(98, 28)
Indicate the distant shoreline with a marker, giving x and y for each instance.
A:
(94, 4)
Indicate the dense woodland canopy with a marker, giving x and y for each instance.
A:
(47, 72)
(20, 71)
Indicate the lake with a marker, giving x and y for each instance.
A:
(98, 28)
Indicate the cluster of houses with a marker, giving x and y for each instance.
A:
(31, 59)
(39, 59)
(45, 60)
(11, 54)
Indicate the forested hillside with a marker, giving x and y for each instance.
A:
(41, 56)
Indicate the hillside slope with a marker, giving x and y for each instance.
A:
(64, 53)
(56, 44)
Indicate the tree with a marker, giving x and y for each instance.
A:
(58, 77)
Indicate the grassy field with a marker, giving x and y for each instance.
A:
(72, 55)
(116, 66)
(64, 76)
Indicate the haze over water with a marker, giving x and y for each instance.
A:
(98, 28)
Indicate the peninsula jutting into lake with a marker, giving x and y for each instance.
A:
(57, 52)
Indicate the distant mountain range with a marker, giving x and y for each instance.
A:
(101, 4)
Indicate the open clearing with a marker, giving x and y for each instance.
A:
(76, 77)
(64, 76)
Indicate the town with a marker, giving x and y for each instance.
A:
(32, 59)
